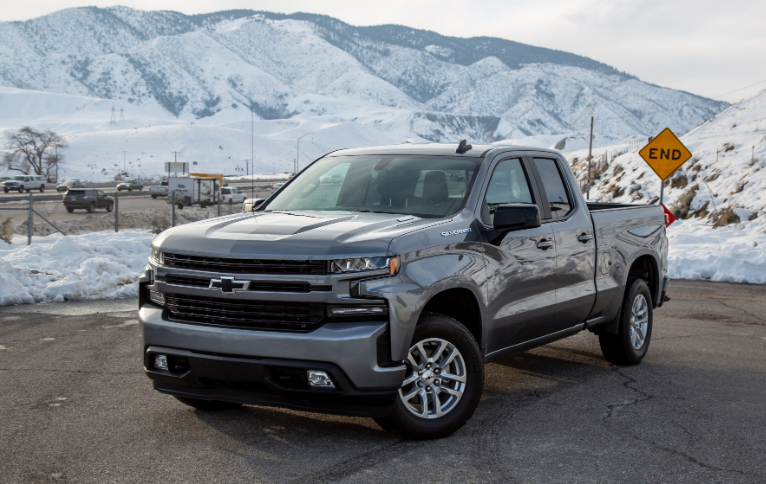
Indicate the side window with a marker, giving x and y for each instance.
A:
(101, 193)
(555, 190)
(509, 184)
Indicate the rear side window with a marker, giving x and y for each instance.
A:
(555, 189)
(224, 191)
(508, 185)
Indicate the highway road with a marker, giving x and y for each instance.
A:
(75, 406)
(55, 211)
(51, 194)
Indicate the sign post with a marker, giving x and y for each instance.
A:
(665, 154)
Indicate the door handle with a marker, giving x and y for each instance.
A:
(545, 244)
(584, 237)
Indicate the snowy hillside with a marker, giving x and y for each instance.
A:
(725, 191)
(404, 82)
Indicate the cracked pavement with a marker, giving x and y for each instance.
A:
(76, 407)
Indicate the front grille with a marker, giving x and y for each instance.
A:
(245, 266)
(243, 314)
(262, 286)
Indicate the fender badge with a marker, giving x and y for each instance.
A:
(455, 232)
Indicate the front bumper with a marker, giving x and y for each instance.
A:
(239, 365)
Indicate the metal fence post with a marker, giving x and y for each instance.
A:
(30, 221)
(219, 204)
(116, 213)
(173, 204)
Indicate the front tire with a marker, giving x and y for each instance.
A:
(21, 189)
(629, 345)
(208, 405)
(443, 384)
(91, 208)
(42, 188)
(110, 207)
(69, 209)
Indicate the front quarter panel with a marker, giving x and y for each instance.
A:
(445, 262)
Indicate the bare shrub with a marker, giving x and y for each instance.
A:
(6, 230)
(740, 186)
(728, 146)
(682, 207)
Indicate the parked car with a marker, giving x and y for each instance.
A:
(24, 182)
(160, 190)
(69, 184)
(130, 184)
(232, 195)
(383, 296)
(277, 186)
(89, 199)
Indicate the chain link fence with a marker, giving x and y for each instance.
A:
(40, 215)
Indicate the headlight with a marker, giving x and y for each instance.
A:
(363, 264)
(157, 256)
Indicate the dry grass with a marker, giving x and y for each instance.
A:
(740, 186)
(679, 181)
(728, 146)
(725, 217)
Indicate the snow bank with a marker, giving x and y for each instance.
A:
(58, 268)
(731, 253)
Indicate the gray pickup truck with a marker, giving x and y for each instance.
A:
(384, 294)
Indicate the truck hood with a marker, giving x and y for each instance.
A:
(300, 235)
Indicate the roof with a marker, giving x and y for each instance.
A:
(433, 149)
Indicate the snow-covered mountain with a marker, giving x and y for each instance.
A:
(402, 81)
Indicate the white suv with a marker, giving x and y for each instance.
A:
(25, 182)
(231, 195)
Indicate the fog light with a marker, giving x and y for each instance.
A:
(157, 297)
(319, 378)
(160, 362)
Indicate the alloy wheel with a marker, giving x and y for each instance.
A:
(436, 378)
(639, 321)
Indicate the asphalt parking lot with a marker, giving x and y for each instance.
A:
(76, 407)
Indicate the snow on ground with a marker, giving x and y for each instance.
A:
(56, 268)
(726, 254)
(105, 265)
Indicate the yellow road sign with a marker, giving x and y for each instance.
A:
(665, 154)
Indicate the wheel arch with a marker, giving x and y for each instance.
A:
(462, 305)
(645, 266)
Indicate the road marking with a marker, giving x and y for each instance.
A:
(3, 347)
(48, 339)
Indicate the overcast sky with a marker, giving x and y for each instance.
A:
(707, 47)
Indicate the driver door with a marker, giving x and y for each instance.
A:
(521, 277)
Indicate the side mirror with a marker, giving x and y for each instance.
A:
(516, 216)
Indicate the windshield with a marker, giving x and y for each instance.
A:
(426, 186)
(20, 178)
(70, 182)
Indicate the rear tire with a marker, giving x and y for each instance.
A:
(208, 405)
(629, 345)
(154, 197)
(456, 395)
(91, 208)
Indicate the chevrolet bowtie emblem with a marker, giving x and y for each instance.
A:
(228, 285)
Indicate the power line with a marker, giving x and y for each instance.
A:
(741, 88)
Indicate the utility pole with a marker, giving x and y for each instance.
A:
(252, 142)
(590, 152)
(124, 160)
